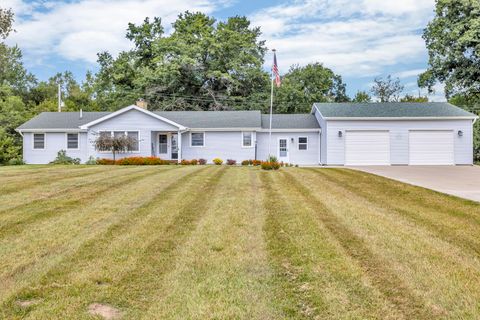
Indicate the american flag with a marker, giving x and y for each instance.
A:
(278, 81)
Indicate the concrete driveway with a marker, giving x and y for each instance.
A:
(461, 181)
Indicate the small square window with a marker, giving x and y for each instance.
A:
(198, 139)
(39, 141)
(72, 140)
(302, 143)
(247, 139)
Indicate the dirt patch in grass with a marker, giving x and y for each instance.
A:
(27, 303)
(105, 311)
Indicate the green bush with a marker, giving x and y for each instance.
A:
(91, 161)
(245, 162)
(272, 159)
(218, 161)
(15, 162)
(62, 158)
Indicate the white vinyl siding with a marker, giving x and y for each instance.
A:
(333, 150)
(72, 141)
(431, 147)
(367, 147)
(39, 141)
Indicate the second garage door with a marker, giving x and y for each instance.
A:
(432, 147)
(367, 147)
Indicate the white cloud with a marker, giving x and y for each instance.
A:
(79, 30)
(409, 73)
(355, 38)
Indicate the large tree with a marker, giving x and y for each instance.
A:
(453, 43)
(302, 86)
(202, 65)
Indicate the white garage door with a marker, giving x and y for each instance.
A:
(367, 147)
(431, 147)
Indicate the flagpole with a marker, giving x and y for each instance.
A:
(271, 111)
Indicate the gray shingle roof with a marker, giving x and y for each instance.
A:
(214, 119)
(290, 121)
(61, 120)
(391, 110)
(190, 119)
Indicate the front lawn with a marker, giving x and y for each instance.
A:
(218, 242)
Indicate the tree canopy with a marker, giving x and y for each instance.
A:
(453, 43)
(388, 89)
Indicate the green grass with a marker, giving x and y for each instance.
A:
(211, 242)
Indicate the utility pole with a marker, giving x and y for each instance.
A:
(59, 98)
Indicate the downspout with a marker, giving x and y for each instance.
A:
(320, 147)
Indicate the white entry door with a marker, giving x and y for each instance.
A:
(431, 147)
(283, 152)
(367, 147)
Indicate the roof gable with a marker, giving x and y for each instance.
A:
(126, 109)
(392, 110)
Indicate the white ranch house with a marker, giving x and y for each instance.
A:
(332, 134)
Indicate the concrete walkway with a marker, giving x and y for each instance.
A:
(460, 181)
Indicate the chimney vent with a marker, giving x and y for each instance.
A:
(81, 113)
(141, 103)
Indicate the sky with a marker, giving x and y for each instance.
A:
(358, 39)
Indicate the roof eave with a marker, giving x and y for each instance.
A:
(402, 118)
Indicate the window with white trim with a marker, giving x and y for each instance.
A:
(131, 134)
(39, 141)
(134, 136)
(197, 139)
(302, 143)
(247, 138)
(162, 143)
(72, 140)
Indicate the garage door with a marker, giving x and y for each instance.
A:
(367, 147)
(431, 147)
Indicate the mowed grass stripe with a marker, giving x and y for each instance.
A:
(35, 252)
(380, 272)
(15, 220)
(316, 278)
(62, 189)
(28, 170)
(122, 265)
(443, 275)
(15, 184)
(222, 271)
(452, 219)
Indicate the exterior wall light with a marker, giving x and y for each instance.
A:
(293, 140)
(340, 134)
(460, 133)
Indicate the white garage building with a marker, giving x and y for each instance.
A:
(395, 134)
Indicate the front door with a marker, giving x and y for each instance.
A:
(174, 144)
(283, 150)
(162, 145)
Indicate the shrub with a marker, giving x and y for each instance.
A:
(105, 161)
(270, 165)
(15, 162)
(91, 161)
(231, 162)
(218, 161)
(188, 162)
(256, 162)
(272, 159)
(245, 162)
(62, 158)
(202, 161)
(194, 162)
